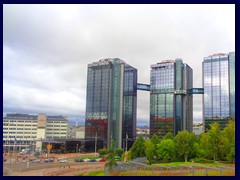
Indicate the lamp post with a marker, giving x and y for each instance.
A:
(126, 141)
(76, 148)
(96, 144)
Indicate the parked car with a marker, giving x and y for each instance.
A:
(86, 160)
(62, 160)
(102, 160)
(79, 160)
(92, 160)
(117, 158)
(48, 160)
(32, 159)
(24, 160)
(36, 161)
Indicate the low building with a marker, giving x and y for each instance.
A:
(198, 129)
(29, 131)
(143, 131)
(76, 132)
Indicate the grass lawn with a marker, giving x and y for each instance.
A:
(93, 173)
(190, 164)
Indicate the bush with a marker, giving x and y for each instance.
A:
(102, 152)
(36, 154)
(119, 151)
(202, 160)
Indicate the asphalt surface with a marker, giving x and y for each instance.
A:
(21, 166)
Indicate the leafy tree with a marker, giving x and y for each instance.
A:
(166, 149)
(184, 142)
(102, 152)
(149, 150)
(214, 134)
(155, 140)
(111, 158)
(138, 148)
(228, 147)
(203, 149)
(169, 135)
(231, 155)
(119, 151)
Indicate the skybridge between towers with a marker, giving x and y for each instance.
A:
(146, 87)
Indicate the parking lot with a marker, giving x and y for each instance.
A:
(23, 165)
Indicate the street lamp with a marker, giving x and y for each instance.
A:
(96, 144)
(76, 148)
(126, 141)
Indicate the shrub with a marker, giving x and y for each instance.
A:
(102, 152)
(119, 151)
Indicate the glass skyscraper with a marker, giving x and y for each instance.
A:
(171, 104)
(219, 89)
(111, 101)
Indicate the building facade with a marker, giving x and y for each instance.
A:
(76, 132)
(111, 101)
(171, 104)
(24, 130)
(219, 89)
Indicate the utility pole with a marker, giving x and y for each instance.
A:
(126, 141)
(96, 144)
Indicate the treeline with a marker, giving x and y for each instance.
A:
(214, 145)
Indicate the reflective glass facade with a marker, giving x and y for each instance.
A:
(219, 89)
(170, 103)
(111, 101)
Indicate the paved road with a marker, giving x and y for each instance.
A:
(18, 168)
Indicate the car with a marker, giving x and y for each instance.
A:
(86, 160)
(117, 158)
(48, 160)
(31, 159)
(79, 160)
(62, 160)
(36, 161)
(102, 160)
(92, 160)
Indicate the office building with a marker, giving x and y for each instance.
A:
(24, 130)
(219, 89)
(171, 104)
(111, 102)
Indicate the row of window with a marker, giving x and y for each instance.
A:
(11, 132)
(6, 137)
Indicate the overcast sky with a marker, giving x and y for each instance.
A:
(46, 49)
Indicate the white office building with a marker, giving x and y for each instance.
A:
(28, 131)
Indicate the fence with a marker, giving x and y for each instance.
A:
(139, 167)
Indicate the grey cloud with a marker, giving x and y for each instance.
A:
(46, 48)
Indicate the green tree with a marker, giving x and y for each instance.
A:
(166, 149)
(214, 134)
(102, 152)
(203, 149)
(169, 135)
(119, 151)
(228, 147)
(138, 148)
(149, 150)
(111, 161)
(231, 155)
(184, 142)
(155, 140)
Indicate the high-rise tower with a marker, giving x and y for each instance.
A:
(171, 107)
(219, 89)
(111, 101)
